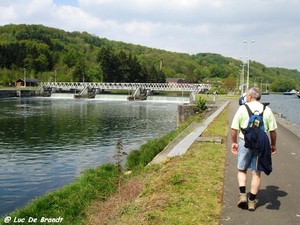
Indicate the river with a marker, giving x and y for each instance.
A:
(47, 142)
(287, 105)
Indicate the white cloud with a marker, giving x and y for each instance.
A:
(189, 26)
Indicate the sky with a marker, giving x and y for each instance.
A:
(186, 26)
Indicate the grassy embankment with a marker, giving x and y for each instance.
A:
(185, 190)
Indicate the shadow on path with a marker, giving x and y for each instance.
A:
(270, 197)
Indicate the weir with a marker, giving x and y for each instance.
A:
(141, 91)
(116, 97)
(67, 86)
(86, 92)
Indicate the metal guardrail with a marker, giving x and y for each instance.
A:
(128, 86)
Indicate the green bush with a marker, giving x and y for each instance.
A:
(201, 104)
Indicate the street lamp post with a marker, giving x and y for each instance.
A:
(242, 80)
(246, 42)
(24, 77)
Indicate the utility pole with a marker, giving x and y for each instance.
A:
(246, 42)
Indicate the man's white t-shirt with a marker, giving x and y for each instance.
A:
(241, 118)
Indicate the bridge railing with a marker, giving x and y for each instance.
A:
(129, 86)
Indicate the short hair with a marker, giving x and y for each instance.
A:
(255, 93)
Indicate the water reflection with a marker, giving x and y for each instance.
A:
(46, 143)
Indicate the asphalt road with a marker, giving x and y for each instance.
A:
(279, 195)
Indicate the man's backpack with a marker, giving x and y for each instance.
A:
(257, 139)
(254, 130)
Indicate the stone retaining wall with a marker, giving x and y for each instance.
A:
(8, 93)
(16, 93)
(184, 112)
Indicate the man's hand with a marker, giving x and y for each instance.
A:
(273, 149)
(234, 148)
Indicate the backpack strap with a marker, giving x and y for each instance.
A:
(248, 109)
(263, 111)
(250, 112)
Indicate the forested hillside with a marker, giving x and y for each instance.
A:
(45, 53)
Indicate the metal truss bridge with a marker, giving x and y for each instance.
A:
(197, 88)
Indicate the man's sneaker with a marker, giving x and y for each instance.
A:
(242, 203)
(252, 205)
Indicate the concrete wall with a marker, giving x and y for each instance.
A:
(184, 112)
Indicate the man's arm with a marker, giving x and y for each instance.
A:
(234, 145)
(273, 137)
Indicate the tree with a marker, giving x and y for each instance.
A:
(70, 58)
(283, 84)
(109, 64)
(41, 63)
(94, 73)
(230, 83)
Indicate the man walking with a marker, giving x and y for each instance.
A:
(246, 157)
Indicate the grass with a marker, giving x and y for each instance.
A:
(183, 190)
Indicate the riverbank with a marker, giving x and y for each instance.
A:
(47, 143)
(180, 190)
(52, 205)
(293, 127)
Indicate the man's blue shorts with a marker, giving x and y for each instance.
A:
(246, 158)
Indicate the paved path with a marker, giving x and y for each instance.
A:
(279, 195)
